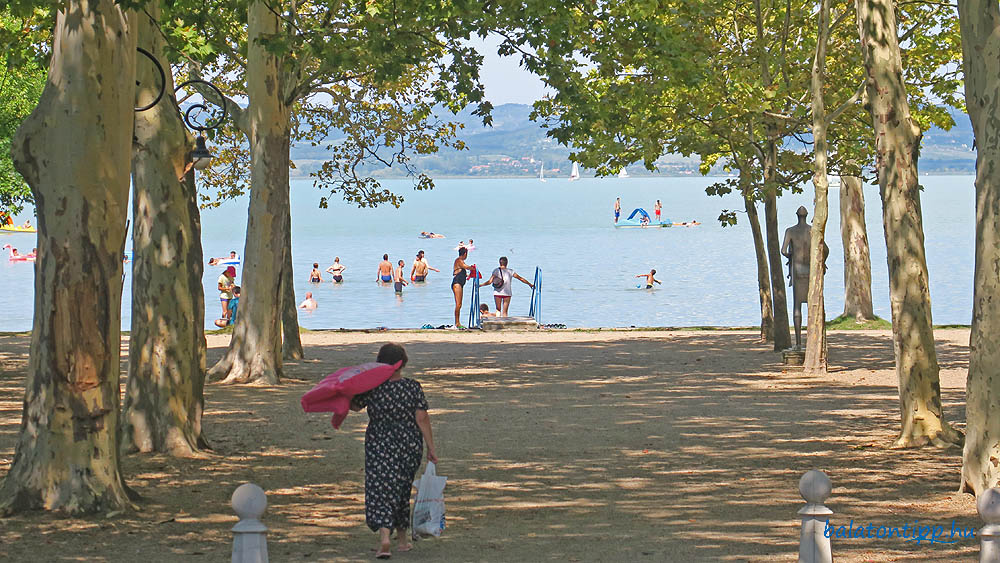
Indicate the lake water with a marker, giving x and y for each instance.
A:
(565, 228)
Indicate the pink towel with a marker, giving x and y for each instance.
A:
(334, 392)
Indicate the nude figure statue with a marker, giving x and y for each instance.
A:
(796, 248)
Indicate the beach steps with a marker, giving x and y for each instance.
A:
(509, 323)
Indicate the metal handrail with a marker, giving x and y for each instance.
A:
(536, 297)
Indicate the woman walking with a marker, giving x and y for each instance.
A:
(458, 270)
(398, 426)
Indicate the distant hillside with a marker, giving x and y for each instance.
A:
(517, 146)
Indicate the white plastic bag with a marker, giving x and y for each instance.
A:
(428, 510)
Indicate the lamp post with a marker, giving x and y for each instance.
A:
(201, 157)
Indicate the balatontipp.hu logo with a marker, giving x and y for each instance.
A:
(915, 532)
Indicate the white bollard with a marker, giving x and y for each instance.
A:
(988, 506)
(814, 545)
(249, 534)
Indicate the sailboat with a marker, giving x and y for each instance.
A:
(623, 173)
(541, 173)
(575, 174)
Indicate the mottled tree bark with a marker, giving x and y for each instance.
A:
(815, 360)
(291, 345)
(980, 25)
(254, 353)
(164, 392)
(782, 334)
(763, 275)
(897, 141)
(857, 261)
(74, 150)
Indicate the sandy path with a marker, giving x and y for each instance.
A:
(559, 446)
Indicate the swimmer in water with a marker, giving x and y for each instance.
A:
(314, 276)
(337, 270)
(308, 303)
(397, 278)
(650, 280)
(384, 270)
(459, 271)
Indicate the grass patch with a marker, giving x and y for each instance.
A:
(845, 322)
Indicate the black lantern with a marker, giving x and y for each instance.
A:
(201, 157)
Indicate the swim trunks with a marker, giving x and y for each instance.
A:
(649, 287)
(314, 280)
(617, 213)
(338, 279)
(459, 278)
(419, 278)
(399, 287)
(387, 279)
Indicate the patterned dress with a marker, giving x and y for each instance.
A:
(393, 449)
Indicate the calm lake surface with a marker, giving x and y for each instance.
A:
(565, 228)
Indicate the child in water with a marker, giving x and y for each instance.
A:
(650, 280)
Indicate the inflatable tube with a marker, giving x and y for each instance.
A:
(228, 262)
(469, 248)
(12, 229)
(334, 392)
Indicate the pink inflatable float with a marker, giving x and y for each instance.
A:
(14, 257)
(334, 393)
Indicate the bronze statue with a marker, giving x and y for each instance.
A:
(796, 249)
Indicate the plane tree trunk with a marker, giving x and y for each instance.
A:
(857, 261)
(164, 393)
(897, 148)
(74, 151)
(254, 353)
(763, 276)
(291, 345)
(816, 360)
(980, 25)
(782, 334)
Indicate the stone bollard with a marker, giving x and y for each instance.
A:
(814, 545)
(988, 506)
(249, 534)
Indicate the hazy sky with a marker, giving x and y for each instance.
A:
(506, 82)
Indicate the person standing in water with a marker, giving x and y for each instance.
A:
(656, 210)
(337, 270)
(314, 275)
(384, 270)
(397, 278)
(501, 279)
(459, 273)
(420, 268)
(618, 208)
(650, 280)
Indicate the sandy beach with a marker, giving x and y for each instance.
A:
(558, 445)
